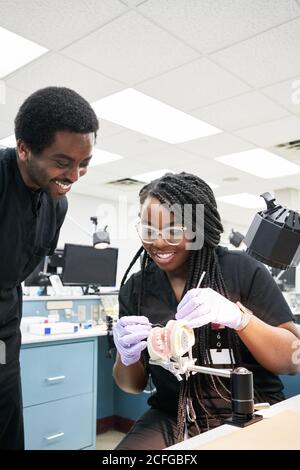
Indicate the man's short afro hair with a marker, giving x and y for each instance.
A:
(50, 110)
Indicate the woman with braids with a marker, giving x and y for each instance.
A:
(226, 334)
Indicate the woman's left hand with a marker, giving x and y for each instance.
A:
(202, 306)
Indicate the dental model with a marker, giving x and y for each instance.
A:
(173, 340)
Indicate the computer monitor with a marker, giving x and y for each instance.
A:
(85, 265)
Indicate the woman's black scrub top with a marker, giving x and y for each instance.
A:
(248, 281)
(29, 230)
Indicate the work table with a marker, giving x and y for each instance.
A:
(291, 404)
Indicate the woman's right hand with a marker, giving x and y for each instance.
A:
(129, 335)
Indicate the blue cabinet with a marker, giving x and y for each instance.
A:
(59, 383)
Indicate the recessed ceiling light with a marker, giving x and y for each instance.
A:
(230, 179)
(247, 200)
(9, 141)
(16, 51)
(260, 162)
(151, 175)
(135, 110)
(102, 156)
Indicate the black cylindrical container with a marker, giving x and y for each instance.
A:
(242, 394)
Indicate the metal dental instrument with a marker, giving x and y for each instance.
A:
(201, 279)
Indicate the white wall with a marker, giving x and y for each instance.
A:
(228, 226)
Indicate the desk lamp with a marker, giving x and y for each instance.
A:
(100, 237)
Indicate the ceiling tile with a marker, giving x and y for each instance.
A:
(267, 58)
(286, 93)
(133, 3)
(241, 111)
(56, 24)
(172, 158)
(130, 49)
(107, 129)
(216, 145)
(109, 193)
(13, 101)
(289, 150)
(56, 70)
(124, 168)
(271, 133)
(193, 85)
(209, 25)
(130, 143)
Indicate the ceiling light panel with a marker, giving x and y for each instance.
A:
(135, 110)
(17, 51)
(260, 162)
(101, 157)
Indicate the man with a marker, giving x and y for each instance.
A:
(55, 131)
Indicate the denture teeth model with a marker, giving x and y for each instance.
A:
(173, 340)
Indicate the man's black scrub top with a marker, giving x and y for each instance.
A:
(29, 230)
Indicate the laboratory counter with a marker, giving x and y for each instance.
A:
(98, 330)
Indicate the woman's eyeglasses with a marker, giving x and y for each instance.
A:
(172, 235)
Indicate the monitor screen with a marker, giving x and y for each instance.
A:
(85, 265)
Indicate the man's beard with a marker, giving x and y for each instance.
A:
(36, 177)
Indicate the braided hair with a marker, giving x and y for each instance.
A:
(187, 189)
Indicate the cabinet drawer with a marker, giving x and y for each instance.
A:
(56, 371)
(63, 424)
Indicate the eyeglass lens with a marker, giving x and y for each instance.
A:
(172, 235)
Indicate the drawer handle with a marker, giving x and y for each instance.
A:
(54, 436)
(58, 378)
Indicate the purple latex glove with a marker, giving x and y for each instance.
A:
(129, 333)
(201, 306)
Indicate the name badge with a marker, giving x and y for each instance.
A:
(221, 356)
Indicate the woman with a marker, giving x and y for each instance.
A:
(165, 289)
